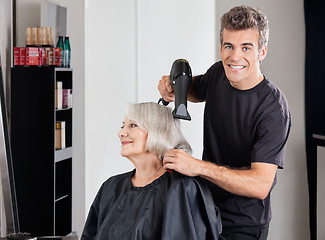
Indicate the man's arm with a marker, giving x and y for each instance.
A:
(254, 182)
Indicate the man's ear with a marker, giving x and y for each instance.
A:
(263, 53)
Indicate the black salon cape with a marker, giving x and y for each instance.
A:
(173, 207)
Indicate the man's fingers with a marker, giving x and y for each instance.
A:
(169, 97)
(167, 160)
(165, 89)
(168, 85)
(169, 167)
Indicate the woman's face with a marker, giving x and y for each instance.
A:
(133, 139)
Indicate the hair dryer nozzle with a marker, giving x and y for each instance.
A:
(181, 79)
(181, 113)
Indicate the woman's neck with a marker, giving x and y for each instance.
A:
(148, 168)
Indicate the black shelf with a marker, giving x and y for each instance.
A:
(43, 175)
(319, 136)
(63, 154)
(60, 198)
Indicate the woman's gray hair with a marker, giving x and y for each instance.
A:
(164, 131)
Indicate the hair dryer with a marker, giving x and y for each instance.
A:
(180, 79)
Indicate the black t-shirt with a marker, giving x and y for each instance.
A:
(241, 127)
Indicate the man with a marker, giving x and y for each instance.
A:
(246, 126)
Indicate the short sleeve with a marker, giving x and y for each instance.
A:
(202, 83)
(272, 136)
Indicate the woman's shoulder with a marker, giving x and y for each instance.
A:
(117, 180)
(113, 186)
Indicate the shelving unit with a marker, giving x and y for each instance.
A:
(43, 175)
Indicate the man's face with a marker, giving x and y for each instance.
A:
(240, 58)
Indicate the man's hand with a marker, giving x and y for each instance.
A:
(182, 162)
(166, 89)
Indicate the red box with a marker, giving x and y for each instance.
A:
(57, 56)
(16, 56)
(32, 56)
(67, 98)
(22, 56)
(51, 56)
(47, 56)
(42, 56)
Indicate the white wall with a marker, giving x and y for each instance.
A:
(320, 192)
(28, 13)
(168, 30)
(110, 84)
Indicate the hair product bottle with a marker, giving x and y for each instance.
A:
(61, 45)
(67, 52)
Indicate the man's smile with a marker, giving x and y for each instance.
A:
(236, 67)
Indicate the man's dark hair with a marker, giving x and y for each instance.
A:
(245, 17)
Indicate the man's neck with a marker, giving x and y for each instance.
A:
(249, 84)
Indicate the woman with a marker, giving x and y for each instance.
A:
(149, 202)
